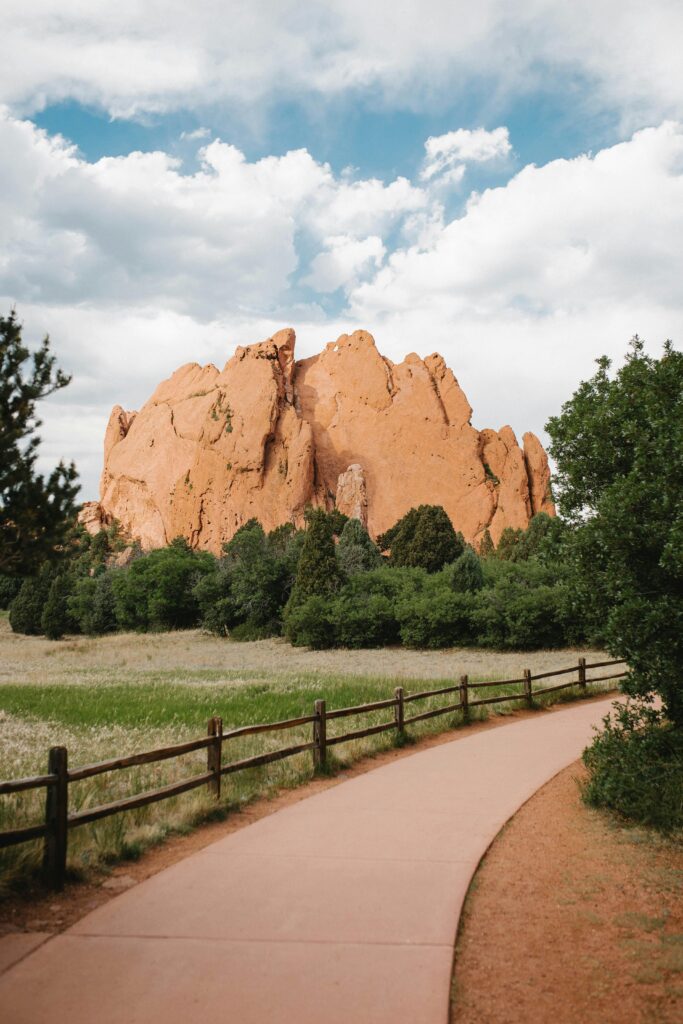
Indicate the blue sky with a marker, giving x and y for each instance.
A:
(501, 183)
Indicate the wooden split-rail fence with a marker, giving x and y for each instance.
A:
(54, 830)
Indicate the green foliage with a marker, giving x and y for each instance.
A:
(245, 594)
(436, 617)
(466, 575)
(522, 607)
(218, 610)
(92, 605)
(26, 610)
(635, 767)
(337, 521)
(507, 544)
(356, 551)
(423, 538)
(55, 620)
(546, 539)
(318, 573)
(618, 444)
(156, 592)
(310, 622)
(9, 588)
(35, 513)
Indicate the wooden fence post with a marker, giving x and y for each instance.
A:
(399, 712)
(582, 673)
(214, 755)
(320, 737)
(56, 819)
(527, 687)
(465, 698)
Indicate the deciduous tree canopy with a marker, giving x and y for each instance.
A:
(618, 445)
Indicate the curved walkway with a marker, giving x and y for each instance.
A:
(343, 907)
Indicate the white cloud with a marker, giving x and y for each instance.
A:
(344, 262)
(194, 136)
(448, 154)
(567, 236)
(136, 230)
(134, 268)
(136, 56)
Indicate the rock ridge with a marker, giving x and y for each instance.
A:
(267, 435)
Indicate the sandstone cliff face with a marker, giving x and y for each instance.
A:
(267, 435)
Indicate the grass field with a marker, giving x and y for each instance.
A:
(127, 693)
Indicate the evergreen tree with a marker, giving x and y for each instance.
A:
(318, 573)
(466, 575)
(56, 620)
(26, 610)
(356, 551)
(35, 514)
(423, 538)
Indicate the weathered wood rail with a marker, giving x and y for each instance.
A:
(54, 830)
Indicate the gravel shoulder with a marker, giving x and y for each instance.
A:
(572, 917)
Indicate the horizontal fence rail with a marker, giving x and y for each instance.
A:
(58, 821)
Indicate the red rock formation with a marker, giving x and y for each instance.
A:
(267, 435)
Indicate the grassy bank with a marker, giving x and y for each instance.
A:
(125, 694)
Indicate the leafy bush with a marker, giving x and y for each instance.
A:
(156, 592)
(424, 537)
(312, 622)
(245, 594)
(523, 606)
(635, 767)
(437, 617)
(218, 610)
(368, 622)
(618, 444)
(92, 604)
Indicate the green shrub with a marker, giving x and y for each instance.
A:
(312, 622)
(437, 617)
(523, 606)
(368, 621)
(56, 620)
(218, 611)
(92, 604)
(424, 538)
(9, 588)
(356, 551)
(635, 767)
(157, 591)
(26, 610)
(245, 594)
(466, 575)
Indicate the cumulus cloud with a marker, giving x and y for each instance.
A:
(135, 266)
(344, 261)
(448, 154)
(138, 57)
(136, 230)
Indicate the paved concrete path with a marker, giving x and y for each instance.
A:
(342, 908)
